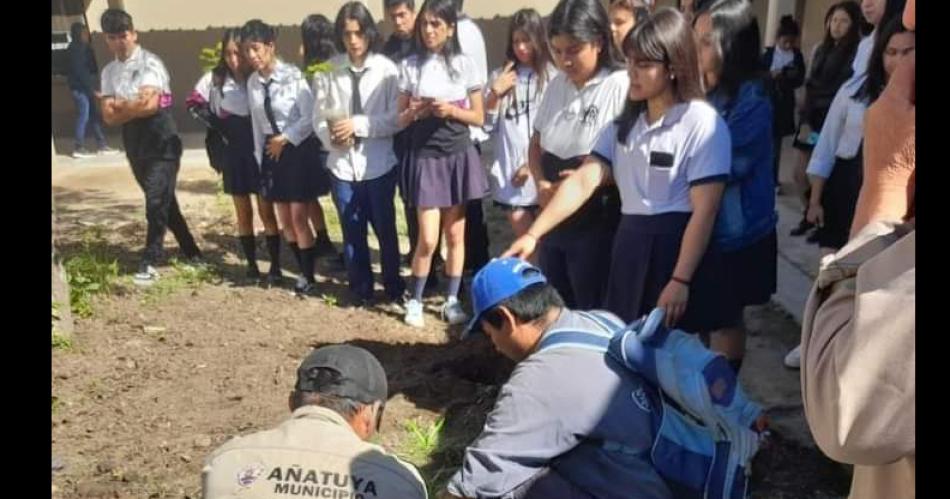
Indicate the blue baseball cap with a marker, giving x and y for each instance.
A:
(500, 279)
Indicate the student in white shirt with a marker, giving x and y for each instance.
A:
(281, 107)
(828, 148)
(836, 180)
(669, 154)
(223, 92)
(136, 94)
(511, 103)
(877, 13)
(402, 17)
(364, 86)
(579, 102)
(317, 35)
(440, 97)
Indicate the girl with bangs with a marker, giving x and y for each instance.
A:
(511, 104)
(669, 155)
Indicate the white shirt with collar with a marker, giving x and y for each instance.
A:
(843, 131)
(859, 66)
(473, 45)
(658, 163)
(841, 135)
(125, 79)
(230, 99)
(291, 102)
(570, 119)
(379, 90)
(431, 78)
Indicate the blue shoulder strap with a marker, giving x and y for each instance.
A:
(576, 338)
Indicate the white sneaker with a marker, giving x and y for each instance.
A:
(82, 154)
(146, 276)
(452, 312)
(413, 315)
(107, 151)
(794, 358)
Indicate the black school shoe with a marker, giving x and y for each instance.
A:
(803, 227)
(304, 288)
(274, 279)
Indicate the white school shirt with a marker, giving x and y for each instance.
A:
(473, 45)
(859, 66)
(569, 120)
(125, 79)
(291, 101)
(841, 135)
(373, 157)
(432, 79)
(510, 129)
(843, 130)
(692, 138)
(230, 99)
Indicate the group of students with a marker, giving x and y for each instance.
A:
(651, 186)
(366, 123)
(639, 163)
(847, 75)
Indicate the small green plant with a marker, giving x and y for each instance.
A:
(424, 438)
(329, 299)
(88, 274)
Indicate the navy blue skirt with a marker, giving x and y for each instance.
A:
(240, 172)
(298, 176)
(646, 249)
(753, 273)
(446, 181)
(839, 200)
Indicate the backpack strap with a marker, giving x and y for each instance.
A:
(602, 320)
(584, 339)
(561, 338)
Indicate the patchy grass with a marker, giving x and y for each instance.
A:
(61, 342)
(183, 276)
(90, 272)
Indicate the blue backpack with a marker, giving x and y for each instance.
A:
(704, 442)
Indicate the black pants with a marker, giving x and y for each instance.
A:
(476, 236)
(157, 178)
(476, 232)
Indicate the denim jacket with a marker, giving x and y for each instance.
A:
(747, 211)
